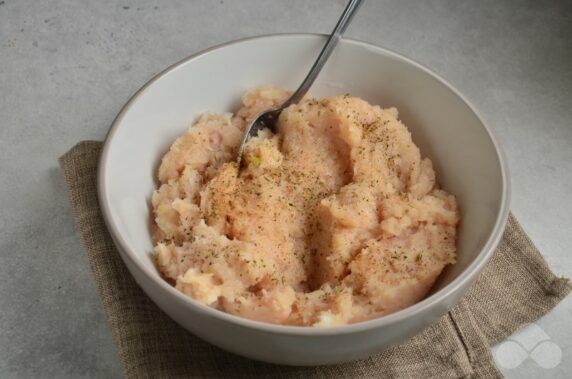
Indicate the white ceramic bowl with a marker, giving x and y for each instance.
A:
(444, 125)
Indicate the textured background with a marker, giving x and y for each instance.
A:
(67, 67)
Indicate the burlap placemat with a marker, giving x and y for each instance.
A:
(516, 288)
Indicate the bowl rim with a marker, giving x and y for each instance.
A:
(468, 275)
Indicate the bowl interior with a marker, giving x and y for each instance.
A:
(442, 124)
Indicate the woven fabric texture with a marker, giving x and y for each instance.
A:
(516, 288)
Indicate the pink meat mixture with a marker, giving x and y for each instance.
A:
(335, 219)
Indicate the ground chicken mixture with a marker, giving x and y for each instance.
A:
(335, 219)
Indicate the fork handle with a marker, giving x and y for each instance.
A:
(327, 50)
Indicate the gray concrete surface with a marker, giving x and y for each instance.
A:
(67, 67)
